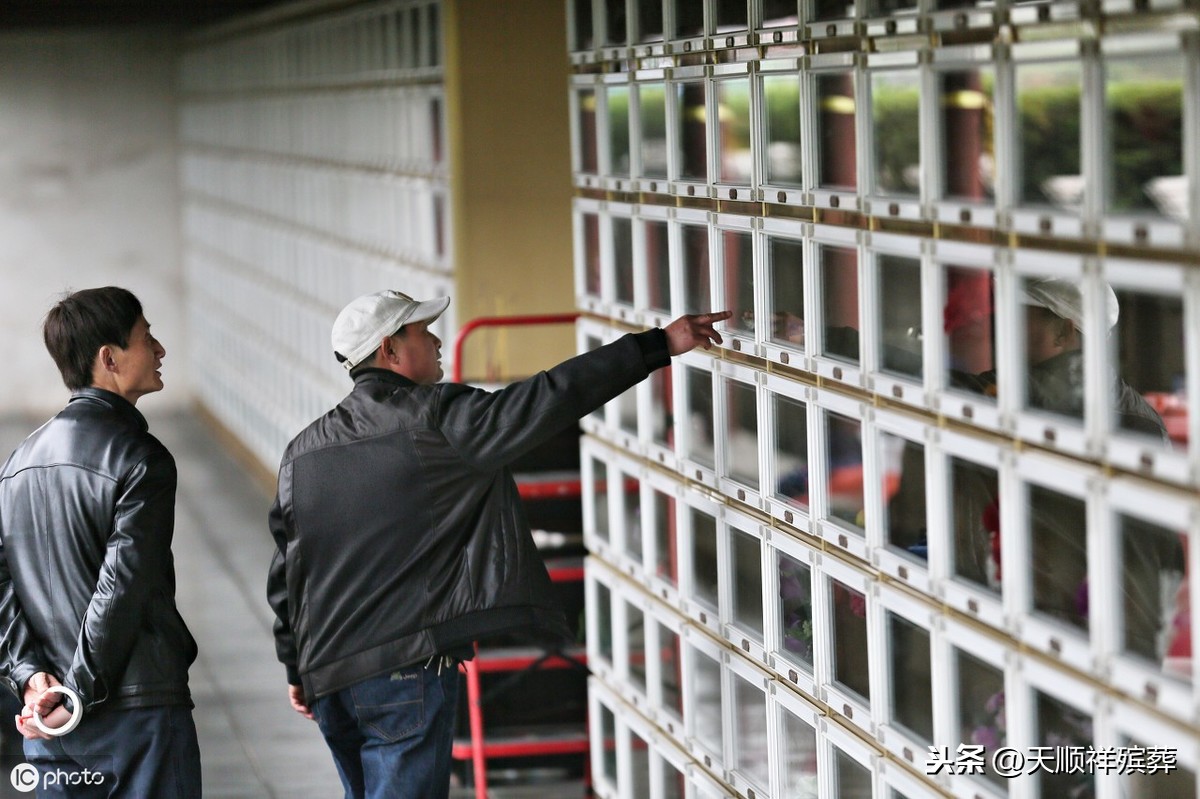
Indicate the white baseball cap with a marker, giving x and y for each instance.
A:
(1063, 299)
(365, 322)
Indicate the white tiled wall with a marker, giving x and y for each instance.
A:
(314, 170)
(856, 529)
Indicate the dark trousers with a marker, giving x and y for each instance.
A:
(143, 752)
(391, 735)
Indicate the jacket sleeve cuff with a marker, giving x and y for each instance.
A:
(654, 348)
(293, 675)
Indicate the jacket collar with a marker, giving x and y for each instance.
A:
(121, 406)
(372, 373)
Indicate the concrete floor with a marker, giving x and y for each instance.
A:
(252, 744)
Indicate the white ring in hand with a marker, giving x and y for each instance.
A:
(76, 713)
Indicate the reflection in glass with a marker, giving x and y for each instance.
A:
(791, 451)
(583, 24)
(1144, 105)
(1179, 783)
(737, 257)
(631, 504)
(1149, 394)
(704, 558)
(845, 470)
(968, 148)
(911, 683)
(435, 134)
(980, 696)
(741, 437)
(614, 17)
(658, 265)
(1053, 334)
(1058, 533)
(1059, 724)
(850, 639)
(697, 294)
(969, 326)
(666, 557)
(895, 105)
(795, 609)
(839, 300)
(853, 778)
(731, 16)
(589, 159)
(700, 421)
(635, 628)
(439, 225)
(776, 13)
(781, 96)
(652, 116)
(750, 731)
(627, 411)
(1048, 130)
(837, 160)
(661, 402)
(883, 8)
(747, 585)
(900, 309)
(689, 18)
(591, 254)
(618, 130)
(590, 343)
(800, 764)
(975, 513)
(622, 233)
(671, 673)
(706, 701)
(786, 258)
(693, 123)
(733, 129)
(1155, 605)
(673, 783)
(604, 618)
(608, 731)
(650, 20)
(833, 9)
(903, 491)
(641, 767)
(600, 512)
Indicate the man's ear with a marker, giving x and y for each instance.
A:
(105, 360)
(387, 352)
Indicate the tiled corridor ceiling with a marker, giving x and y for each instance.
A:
(57, 13)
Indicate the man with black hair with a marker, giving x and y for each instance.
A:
(87, 580)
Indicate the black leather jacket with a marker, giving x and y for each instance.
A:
(87, 581)
(399, 530)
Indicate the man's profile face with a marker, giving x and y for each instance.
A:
(1046, 334)
(139, 363)
(419, 351)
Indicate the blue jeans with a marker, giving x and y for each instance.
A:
(391, 735)
(141, 752)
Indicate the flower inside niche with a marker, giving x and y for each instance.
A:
(795, 593)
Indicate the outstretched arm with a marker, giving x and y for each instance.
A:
(491, 429)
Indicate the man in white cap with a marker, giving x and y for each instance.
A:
(1054, 353)
(401, 538)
